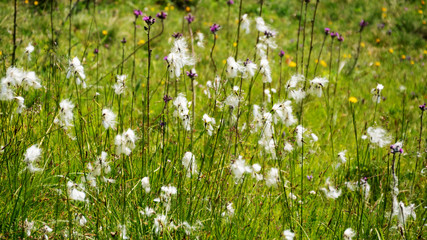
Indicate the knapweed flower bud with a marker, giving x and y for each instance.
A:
(189, 18)
(327, 31)
(149, 20)
(192, 74)
(396, 148)
(340, 38)
(137, 13)
(333, 34)
(96, 51)
(281, 53)
(363, 24)
(214, 28)
(167, 98)
(423, 107)
(162, 15)
(123, 40)
(230, 2)
(177, 35)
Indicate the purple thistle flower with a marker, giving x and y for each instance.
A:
(165, 58)
(137, 13)
(149, 20)
(96, 51)
(230, 2)
(162, 15)
(177, 35)
(189, 18)
(281, 53)
(309, 177)
(363, 24)
(395, 148)
(167, 98)
(327, 31)
(333, 34)
(423, 107)
(340, 38)
(162, 124)
(123, 40)
(214, 28)
(191, 74)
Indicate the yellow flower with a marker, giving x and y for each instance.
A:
(216, 36)
(234, 44)
(378, 40)
(172, 8)
(425, 52)
(344, 55)
(166, 9)
(424, 22)
(384, 9)
(412, 62)
(390, 50)
(143, 85)
(104, 32)
(187, 9)
(151, 111)
(420, 11)
(1, 53)
(377, 64)
(224, 61)
(403, 57)
(384, 15)
(36, 3)
(352, 100)
(316, 61)
(152, 9)
(349, 56)
(362, 44)
(287, 56)
(26, 1)
(323, 63)
(162, 82)
(292, 64)
(140, 42)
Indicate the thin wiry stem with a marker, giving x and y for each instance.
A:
(14, 34)
(299, 31)
(238, 30)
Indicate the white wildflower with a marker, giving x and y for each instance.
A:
(30, 80)
(200, 39)
(65, 115)
(145, 183)
(331, 192)
(265, 70)
(120, 85)
(28, 226)
(21, 105)
(76, 69)
(32, 155)
(283, 111)
(272, 177)
(233, 67)
(288, 235)
(108, 118)
(28, 50)
(349, 234)
(379, 136)
(298, 95)
(189, 163)
(376, 93)
(209, 123)
(182, 112)
(317, 85)
(74, 193)
(125, 142)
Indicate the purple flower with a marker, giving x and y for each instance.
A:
(165, 58)
(177, 35)
(327, 31)
(396, 148)
(137, 13)
(389, 32)
(162, 124)
(215, 27)
(96, 51)
(191, 74)
(333, 34)
(149, 20)
(281, 53)
(162, 15)
(230, 2)
(123, 40)
(363, 24)
(167, 98)
(309, 177)
(189, 18)
(422, 107)
(340, 38)
(247, 62)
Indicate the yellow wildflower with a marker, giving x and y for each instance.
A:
(352, 100)
(292, 64)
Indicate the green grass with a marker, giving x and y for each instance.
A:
(200, 207)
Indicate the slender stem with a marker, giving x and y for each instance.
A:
(69, 30)
(213, 61)
(311, 41)
(320, 53)
(148, 92)
(357, 53)
(303, 38)
(299, 31)
(14, 34)
(238, 30)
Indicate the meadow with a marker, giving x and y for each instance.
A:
(238, 119)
